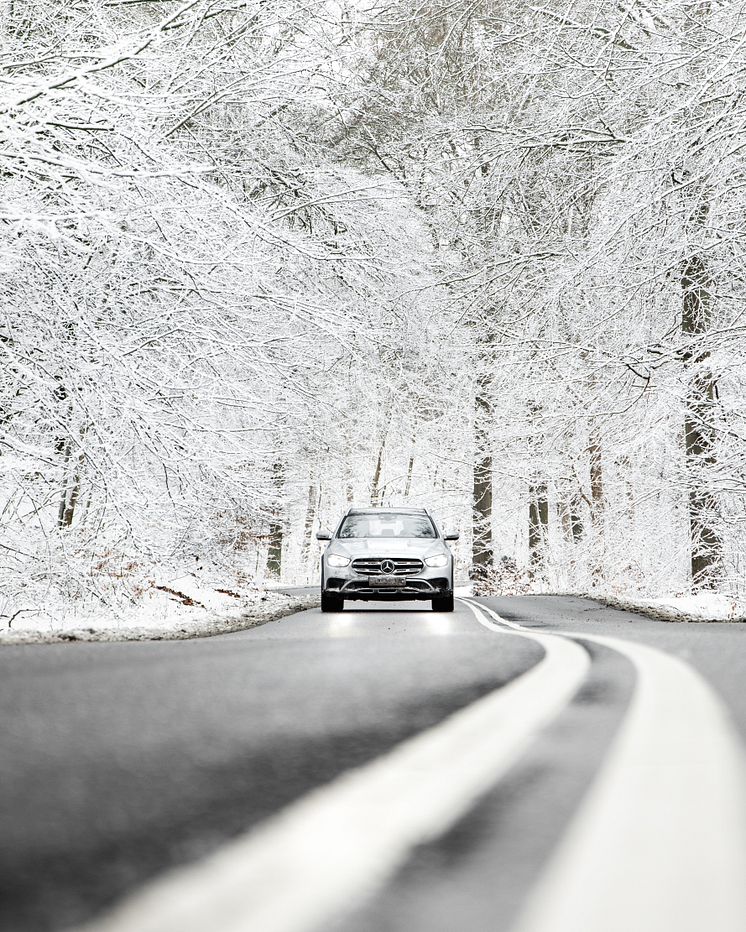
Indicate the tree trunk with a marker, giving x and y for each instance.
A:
(308, 526)
(624, 464)
(63, 445)
(699, 428)
(408, 481)
(538, 530)
(595, 457)
(70, 485)
(571, 521)
(375, 488)
(277, 525)
(482, 544)
(595, 451)
(538, 505)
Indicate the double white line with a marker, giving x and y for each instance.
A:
(659, 843)
(670, 785)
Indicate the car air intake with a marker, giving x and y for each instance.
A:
(387, 566)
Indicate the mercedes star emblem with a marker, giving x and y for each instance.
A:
(387, 566)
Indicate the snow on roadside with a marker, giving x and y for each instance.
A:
(175, 609)
(705, 606)
(702, 607)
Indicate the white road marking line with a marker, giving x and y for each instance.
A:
(659, 843)
(499, 624)
(325, 853)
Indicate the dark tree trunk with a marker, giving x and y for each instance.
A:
(699, 426)
(482, 546)
(538, 504)
(277, 525)
(376, 489)
(595, 454)
(63, 446)
(595, 457)
(538, 530)
(70, 485)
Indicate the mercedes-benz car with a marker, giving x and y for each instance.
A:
(380, 554)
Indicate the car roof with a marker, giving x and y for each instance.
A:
(387, 510)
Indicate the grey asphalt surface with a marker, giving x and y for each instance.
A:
(119, 760)
(477, 876)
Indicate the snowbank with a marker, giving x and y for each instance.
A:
(174, 609)
(705, 606)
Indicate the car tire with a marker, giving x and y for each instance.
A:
(331, 603)
(443, 604)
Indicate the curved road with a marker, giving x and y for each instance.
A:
(532, 764)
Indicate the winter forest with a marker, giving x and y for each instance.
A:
(262, 259)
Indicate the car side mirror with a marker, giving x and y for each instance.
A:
(451, 535)
(323, 534)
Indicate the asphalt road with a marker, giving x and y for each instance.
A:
(121, 761)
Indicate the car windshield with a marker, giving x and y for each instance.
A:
(386, 525)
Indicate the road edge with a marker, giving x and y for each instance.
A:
(655, 611)
(661, 612)
(206, 628)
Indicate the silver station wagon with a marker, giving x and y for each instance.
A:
(380, 554)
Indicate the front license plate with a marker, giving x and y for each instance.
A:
(387, 582)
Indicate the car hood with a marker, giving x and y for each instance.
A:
(388, 547)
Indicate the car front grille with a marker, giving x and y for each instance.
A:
(413, 585)
(373, 566)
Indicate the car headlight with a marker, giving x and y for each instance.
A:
(440, 559)
(334, 559)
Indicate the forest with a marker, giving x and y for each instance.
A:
(260, 260)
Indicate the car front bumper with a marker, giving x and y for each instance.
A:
(428, 583)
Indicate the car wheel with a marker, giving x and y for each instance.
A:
(443, 604)
(331, 603)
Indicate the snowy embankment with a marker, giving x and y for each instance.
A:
(706, 606)
(703, 607)
(176, 609)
